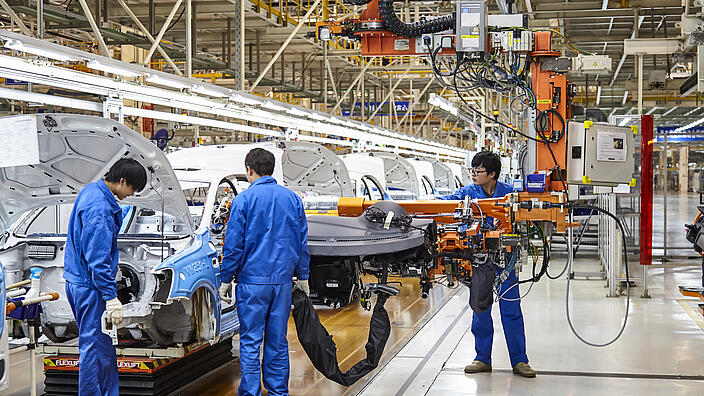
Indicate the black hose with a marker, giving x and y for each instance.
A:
(413, 29)
(543, 124)
(628, 279)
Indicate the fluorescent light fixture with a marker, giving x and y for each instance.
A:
(273, 106)
(669, 111)
(318, 116)
(625, 121)
(651, 111)
(444, 104)
(165, 81)
(598, 95)
(20, 46)
(116, 70)
(625, 98)
(690, 125)
(205, 90)
(297, 112)
(694, 110)
(435, 100)
(246, 99)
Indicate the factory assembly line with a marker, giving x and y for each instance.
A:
(179, 221)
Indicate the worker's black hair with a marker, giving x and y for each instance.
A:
(490, 161)
(129, 169)
(260, 161)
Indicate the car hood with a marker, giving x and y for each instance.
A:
(75, 150)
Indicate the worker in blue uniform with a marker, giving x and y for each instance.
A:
(266, 244)
(486, 167)
(90, 268)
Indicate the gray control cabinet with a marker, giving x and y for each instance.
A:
(599, 154)
(471, 26)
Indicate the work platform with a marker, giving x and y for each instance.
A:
(142, 370)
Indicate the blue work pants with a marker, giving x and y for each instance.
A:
(97, 362)
(263, 312)
(512, 321)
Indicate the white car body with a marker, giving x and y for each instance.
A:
(425, 175)
(444, 178)
(460, 174)
(401, 178)
(367, 174)
(309, 169)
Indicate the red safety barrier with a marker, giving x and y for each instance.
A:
(646, 190)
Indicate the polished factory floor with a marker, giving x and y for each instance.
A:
(660, 352)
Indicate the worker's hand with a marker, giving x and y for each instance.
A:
(302, 285)
(114, 310)
(426, 197)
(226, 292)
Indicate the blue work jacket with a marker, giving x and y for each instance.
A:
(266, 241)
(91, 256)
(474, 191)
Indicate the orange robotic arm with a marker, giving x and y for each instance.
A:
(512, 208)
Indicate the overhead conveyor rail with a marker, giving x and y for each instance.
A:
(213, 103)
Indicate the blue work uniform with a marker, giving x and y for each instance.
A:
(511, 315)
(90, 267)
(266, 243)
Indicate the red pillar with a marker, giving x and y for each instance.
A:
(646, 190)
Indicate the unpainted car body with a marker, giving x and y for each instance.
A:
(367, 175)
(168, 270)
(460, 174)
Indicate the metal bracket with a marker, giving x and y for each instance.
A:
(113, 105)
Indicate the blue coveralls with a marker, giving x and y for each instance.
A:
(90, 267)
(511, 315)
(265, 245)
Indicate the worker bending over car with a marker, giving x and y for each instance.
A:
(90, 268)
(265, 246)
(486, 167)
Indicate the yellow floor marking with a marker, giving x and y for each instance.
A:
(696, 316)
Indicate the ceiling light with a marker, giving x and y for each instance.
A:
(669, 111)
(435, 100)
(297, 112)
(250, 100)
(318, 116)
(690, 125)
(165, 81)
(625, 121)
(273, 106)
(116, 70)
(625, 98)
(598, 95)
(205, 90)
(20, 46)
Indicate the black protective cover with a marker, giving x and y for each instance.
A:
(321, 349)
(481, 293)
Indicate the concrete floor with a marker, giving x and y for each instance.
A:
(658, 354)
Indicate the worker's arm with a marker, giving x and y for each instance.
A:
(233, 250)
(302, 270)
(458, 195)
(97, 238)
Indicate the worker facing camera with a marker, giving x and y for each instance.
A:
(266, 245)
(90, 268)
(485, 171)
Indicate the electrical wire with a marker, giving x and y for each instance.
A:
(628, 280)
